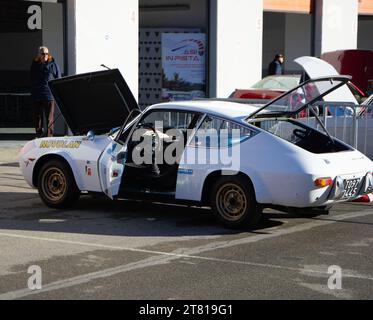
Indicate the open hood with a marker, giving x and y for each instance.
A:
(97, 101)
(316, 68)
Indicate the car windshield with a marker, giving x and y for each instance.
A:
(278, 82)
(306, 93)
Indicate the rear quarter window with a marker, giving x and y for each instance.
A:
(219, 133)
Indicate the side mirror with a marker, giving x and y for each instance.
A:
(90, 135)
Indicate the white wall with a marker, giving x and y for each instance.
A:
(104, 32)
(336, 25)
(235, 45)
(365, 36)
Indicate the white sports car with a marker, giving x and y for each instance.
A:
(238, 159)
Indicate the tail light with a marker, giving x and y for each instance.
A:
(323, 182)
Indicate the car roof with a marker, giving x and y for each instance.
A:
(225, 109)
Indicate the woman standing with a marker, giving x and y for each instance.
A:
(43, 69)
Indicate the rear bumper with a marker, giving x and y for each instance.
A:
(339, 187)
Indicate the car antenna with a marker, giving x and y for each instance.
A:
(104, 66)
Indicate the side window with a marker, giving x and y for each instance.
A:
(166, 119)
(168, 125)
(169, 119)
(218, 133)
(124, 135)
(126, 131)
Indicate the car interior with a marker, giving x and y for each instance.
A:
(158, 137)
(301, 135)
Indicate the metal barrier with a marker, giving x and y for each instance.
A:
(348, 122)
(15, 110)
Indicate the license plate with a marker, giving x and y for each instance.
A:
(351, 188)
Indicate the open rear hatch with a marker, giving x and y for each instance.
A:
(284, 116)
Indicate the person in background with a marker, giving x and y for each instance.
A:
(43, 69)
(276, 66)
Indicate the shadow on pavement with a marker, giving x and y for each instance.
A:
(101, 216)
(10, 164)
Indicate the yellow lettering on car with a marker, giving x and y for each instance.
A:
(60, 144)
(45, 144)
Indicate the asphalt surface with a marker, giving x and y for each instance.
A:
(133, 250)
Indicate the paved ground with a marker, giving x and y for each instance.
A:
(9, 150)
(132, 250)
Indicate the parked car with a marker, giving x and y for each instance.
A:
(236, 159)
(271, 87)
(268, 88)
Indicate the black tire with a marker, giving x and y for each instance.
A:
(56, 185)
(233, 201)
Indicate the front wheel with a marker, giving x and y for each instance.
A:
(56, 185)
(233, 201)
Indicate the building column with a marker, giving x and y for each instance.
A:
(335, 25)
(236, 29)
(104, 32)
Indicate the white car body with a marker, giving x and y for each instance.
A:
(281, 172)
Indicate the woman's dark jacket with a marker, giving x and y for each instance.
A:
(41, 73)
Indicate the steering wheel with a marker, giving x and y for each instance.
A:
(155, 136)
(300, 133)
(155, 147)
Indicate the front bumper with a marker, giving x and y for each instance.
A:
(339, 189)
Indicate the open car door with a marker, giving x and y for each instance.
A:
(113, 158)
(98, 101)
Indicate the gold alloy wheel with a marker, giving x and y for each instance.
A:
(54, 184)
(231, 202)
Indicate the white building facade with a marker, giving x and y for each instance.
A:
(242, 37)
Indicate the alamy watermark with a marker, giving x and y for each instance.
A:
(34, 282)
(149, 146)
(34, 22)
(335, 280)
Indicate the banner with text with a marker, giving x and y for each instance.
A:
(183, 65)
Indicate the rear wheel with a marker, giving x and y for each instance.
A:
(56, 185)
(233, 201)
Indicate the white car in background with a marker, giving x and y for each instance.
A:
(236, 159)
